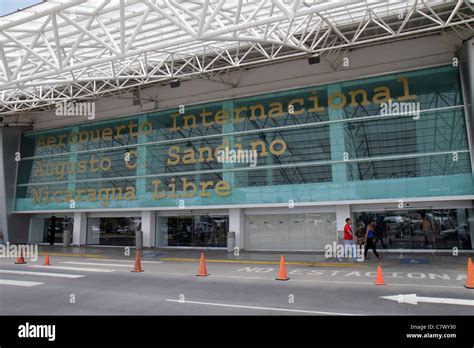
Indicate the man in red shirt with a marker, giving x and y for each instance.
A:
(349, 239)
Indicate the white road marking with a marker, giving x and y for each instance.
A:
(142, 261)
(18, 283)
(75, 268)
(42, 274)
(261, 308)
(427, 286)
(132, 261)
(97, 264)
(413, 299)
(312, 281)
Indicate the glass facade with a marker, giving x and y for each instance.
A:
(112, 230)
(325, 143)
(420, 228)
(193, 230)
(41, 228)
(310, 231)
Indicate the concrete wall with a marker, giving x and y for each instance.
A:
(15, 228)
(236, 224)
(149, 228)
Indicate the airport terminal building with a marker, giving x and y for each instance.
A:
(381, 131)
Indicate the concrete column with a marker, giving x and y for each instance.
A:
(336, 134)
(236, 224)
(141, 160)
(466, 68)
(342, 213)
(71, 186)
(3, 195)
(148, 228)
(14, 227)
(228, 128)
(79, 233)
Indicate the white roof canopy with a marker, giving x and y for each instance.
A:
(76, 49)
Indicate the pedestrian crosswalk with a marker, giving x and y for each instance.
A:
(42, 274)
(97, 264)
(22, 277)
(82, 269)
(18, 282)
(128, 261)
(30, 275)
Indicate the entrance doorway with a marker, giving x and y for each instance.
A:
(419, 228)
(116, 231)
(41, 232)
(207, 230)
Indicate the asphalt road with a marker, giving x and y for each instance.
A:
(102, 286)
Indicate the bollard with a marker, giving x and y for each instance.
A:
(66, 238)
(230, 241)
(139, 240)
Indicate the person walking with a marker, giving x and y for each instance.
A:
(427, 231)
(52, 230)
(369, 240)
(349, 240)
(379, 231)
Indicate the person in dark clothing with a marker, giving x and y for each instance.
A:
(369, 240)
(379, 229)
(52, 235)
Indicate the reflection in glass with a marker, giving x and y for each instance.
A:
(310, 231)
(113, 230)
(419, 229)
(193, 230)
(40, 230)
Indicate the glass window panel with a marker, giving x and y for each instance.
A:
(193, 230)
(420, 228)
(112, 230)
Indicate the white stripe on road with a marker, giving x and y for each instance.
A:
(42, 274)
(260, 308)
(75, 268)
(115, 260)
(18, 282)
(314, 281)
(414, 299)
(97, 264)
(351, 283)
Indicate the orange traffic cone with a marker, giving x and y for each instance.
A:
(282, 272)
(379, 280)
(202, 267)
(46, 260)
(138, 266)
(470, 275)
(20, 259)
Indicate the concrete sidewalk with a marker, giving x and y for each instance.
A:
(393, 258)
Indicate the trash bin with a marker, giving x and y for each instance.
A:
(66, 238)
(230, 242)
(139, 239)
